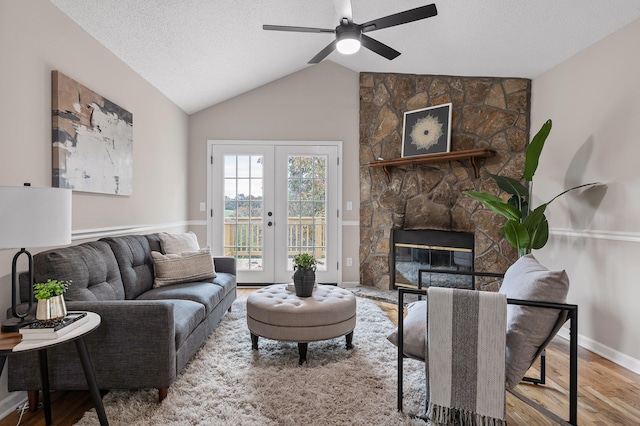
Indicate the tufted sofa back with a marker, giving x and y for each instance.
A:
(91, 267)
(133, 254)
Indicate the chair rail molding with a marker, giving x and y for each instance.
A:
(627, 236)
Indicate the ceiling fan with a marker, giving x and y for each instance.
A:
(349, 35)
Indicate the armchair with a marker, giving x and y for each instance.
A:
(517, 360)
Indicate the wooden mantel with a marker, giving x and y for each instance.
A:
(465, 154)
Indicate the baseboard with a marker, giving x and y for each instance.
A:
(617, 357)
(349, 284)
(11, 402)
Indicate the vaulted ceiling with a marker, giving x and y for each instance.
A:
(202, 52)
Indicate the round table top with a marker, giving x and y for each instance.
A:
(13, 343)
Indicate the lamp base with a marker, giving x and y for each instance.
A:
(14, 324)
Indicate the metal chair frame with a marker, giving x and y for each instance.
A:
(573, 346)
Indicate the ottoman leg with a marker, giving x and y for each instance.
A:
(302, 350)
(254, 342)
(349, 338)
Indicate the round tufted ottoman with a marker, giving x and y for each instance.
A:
(273, 312)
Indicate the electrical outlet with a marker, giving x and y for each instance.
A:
(349, 261)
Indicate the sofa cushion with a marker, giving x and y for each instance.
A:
(91, 268)
(183, 267)
(226, 281)
(528, 328)
(205, 293)
(187, 315)
(178, 243)
(133, 253)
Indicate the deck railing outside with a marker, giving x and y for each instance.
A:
(243, 236)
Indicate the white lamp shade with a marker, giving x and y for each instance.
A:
(34, 217)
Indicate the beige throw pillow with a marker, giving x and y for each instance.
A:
(183, 267)
(178, 243)
(414, 343)
(528, 327)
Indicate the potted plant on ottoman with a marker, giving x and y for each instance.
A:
(304, 277)
(50, 299)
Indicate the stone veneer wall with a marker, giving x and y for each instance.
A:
(488, 112)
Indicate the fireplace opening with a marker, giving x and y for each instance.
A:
(418, 255)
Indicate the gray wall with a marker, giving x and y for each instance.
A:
(318, 103)
(36, 38)
(594, 100)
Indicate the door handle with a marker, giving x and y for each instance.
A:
(269, 223)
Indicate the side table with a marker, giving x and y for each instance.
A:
(11, 344)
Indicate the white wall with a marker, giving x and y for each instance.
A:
(320, 102)
(36, 38)
(593, 99)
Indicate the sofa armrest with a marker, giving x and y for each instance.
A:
(133, 348)
(225, 264)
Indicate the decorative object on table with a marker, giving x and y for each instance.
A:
(46, 330)
(92, 140)
(304, 276)
(427, 131)
(50, 297)
(525, 230)
(31, 217)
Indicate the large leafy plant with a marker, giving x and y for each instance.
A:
(525, 230)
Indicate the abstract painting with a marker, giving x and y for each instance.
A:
(92, 140)
(427, 131)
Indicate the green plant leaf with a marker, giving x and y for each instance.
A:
(541, 234)
(532, 155)
(571, 189)
(535, 218)
(518, 203)
(496, 204)
(516, 234)
(511, 186)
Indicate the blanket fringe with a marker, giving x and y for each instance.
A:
(447, 416)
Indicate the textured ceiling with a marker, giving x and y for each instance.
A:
(202, 52)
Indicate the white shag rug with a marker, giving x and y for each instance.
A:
(227, 383)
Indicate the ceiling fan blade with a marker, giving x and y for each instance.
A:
(400, 18)
(343, 9)
(379, 48)
(297, 29)
(324, 53)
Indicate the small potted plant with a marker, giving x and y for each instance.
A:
(50, 299)
(304, 277)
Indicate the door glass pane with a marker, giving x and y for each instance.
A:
(243, 193)
(306, 223)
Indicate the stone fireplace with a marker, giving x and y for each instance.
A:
(488, 113)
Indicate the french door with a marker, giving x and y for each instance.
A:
(271, 201)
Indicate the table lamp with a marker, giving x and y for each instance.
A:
(31, 217)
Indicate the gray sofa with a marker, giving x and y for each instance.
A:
(147, 334)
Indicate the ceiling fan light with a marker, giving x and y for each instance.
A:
(348, 46)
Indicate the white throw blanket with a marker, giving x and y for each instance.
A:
(466, 363)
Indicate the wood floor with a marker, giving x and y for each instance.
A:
(608, 394)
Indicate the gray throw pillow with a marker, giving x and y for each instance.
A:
(178, 243)
(527, 327)
(414, 330)
(183, 267)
